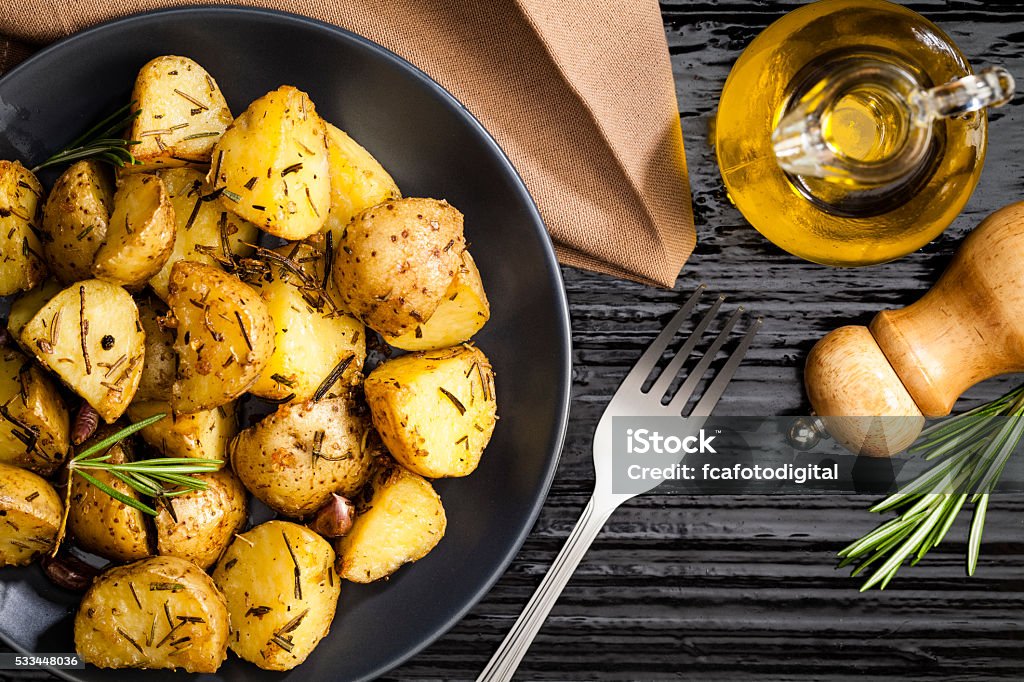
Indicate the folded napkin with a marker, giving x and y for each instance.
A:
(579, 94)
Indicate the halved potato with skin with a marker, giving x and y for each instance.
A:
(22, 265)
(30, 514)
(183, 114)
(34, 423)
(75, 219)
(90, 336)
(202, 435)
(358, 181)
(204, 521)
(271, 165)
(140, 235)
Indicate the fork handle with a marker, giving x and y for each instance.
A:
(506, 659)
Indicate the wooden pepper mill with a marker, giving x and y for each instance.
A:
(874, 386)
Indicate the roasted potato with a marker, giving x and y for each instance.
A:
(140, 236)
(358, 181)
(272, 165)
(296, 457)
(203, 435)
(103, 525)
(30, 513)
(205, 230)
(22, 265)
(204, 521)
(461, 313)
(161, 363)
(225, 336)
(75, 219)
(312, 334)
(402, 523)
(161, 612)
(394, 262)
(35, 427)
(435, 410)
(25, 307)
(281, 591)
(90, 336)
(183, 114)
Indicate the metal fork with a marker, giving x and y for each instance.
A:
(630, 400)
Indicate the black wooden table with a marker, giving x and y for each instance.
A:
(745, 587)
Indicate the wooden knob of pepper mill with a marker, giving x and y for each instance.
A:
(874, 386)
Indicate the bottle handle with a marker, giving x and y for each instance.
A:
(990, 87)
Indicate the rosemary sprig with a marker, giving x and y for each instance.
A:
(101, 142)
(971, 450)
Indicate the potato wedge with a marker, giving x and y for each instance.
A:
(34, 423)
(272, 165)
(25, 307)
(90, 336)
(183, 114)
(102, 525)
(140, 236)
(75, 219)
(22, 265)
(296, 457)
(161, 612)
(202, 435)
(31, 511)
(435, 410)
(312, 336)
(204, 521)
(358, 181)
(402, 523)
(161, 364)
(225, 336)
(199, 225)
(461, 314)
(281, 592)
(394, 262)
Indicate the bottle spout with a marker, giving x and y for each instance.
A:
(990, 87)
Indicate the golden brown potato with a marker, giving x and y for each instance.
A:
(31, 513)
(203, 435)
(34, 424)
(272, 165)
(161, 612)
(90, 336)
(313, 335)
(140, 236)
(103, 525)
(358, 181)
(75, 219)
(435, 410)
(161, 363)
(204, 521)
(225, 336)
(394, 262)
(22, 265)
(462, 312)
(296, 457)
(281, 591)
(204, 228)
(402, 523)
(183, 114)
(25, 307)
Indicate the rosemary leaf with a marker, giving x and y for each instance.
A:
(974, 540)
(119, 496)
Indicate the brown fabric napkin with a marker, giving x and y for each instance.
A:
(579, 93)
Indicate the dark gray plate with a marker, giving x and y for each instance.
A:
(433, 147)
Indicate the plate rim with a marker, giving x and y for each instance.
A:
(519, 186)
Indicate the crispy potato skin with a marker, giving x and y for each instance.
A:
(207, 519)
(276, 459)
(75, 219)
(273, 165)
(402, 523)
(394, 262)
(202, 435)
(358, 181)
(21, 206)
(140, 236)
(435, 410)
(122, 621)
(36, 412)
(183, 114)
(223, 343)
(31, 516)
(278, 577)
(104, 319)
(160, 365)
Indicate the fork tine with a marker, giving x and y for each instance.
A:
(711, 396)
(677, 403)
(653, 353)
(668, 374)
